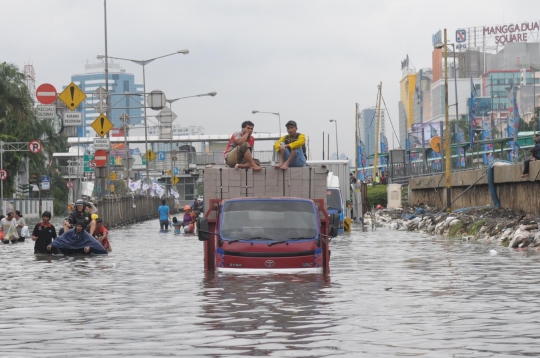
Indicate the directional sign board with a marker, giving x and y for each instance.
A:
(72, 96)
(46, 93)
(176, 171)
(72, 119)
(35, 146)
(162, 156)
(46, 112)
(150, 155)
(175, 180)
(45, 182)
(102, 125)
(3, 174)
(70, 184)
(102, 143)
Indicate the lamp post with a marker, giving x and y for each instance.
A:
(447, 123)
(274, 113)
(337, 148)
(171, 101)
(143, 63)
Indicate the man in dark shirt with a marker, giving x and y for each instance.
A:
(43, 234)
(81, 215)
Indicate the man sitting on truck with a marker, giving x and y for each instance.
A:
(238, 153)
(291, 148)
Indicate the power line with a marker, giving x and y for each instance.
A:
(391, 121)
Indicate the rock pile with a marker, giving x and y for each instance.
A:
(484, 224)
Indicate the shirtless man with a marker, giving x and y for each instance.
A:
(238, 153)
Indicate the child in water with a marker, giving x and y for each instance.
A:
(177, 225)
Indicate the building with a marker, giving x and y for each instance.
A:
(120, 82)
(367, 125)
(177, 131)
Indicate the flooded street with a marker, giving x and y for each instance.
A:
(389, 294)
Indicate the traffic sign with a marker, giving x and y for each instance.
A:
(46, 112)
(86, 163)
(3, 174)
(72, 119)
(174, 152)
(175, 180)
(101, 105)
(112, 176)
(461, 35)
(102, 125)
(45, 182)
(92, 164)
(149, 155)
(100, 157)
(72, 96)
(102, 143)
(176, 171)
(70, 184)
(35, 146)
(46, 93)
(162, 156)
(166, 116)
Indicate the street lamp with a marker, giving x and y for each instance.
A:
(447, 123)
(171, 101)
(456, 127)
(143, 63)
(274, 113)
(337, 148)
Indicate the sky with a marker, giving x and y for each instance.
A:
(309, 60)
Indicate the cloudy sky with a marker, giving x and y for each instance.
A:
(310, 60)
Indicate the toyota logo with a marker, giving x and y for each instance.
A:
(269, 263)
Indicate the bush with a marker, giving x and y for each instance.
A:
(377, 195)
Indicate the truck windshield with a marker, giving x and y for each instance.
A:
(333, 199)
(276, 220)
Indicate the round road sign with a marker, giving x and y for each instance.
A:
(91, 164)
(3, 174)
(35, 146)
(69, 184)
(100, 157)
(46, 93)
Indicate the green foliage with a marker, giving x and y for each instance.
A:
(377, 195)
(455, 229)
(475, 226)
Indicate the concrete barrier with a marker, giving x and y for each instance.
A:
(514, 192)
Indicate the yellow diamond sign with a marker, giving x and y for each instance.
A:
(149, 155)
(175, 180)
(102, 125)
(72, 96)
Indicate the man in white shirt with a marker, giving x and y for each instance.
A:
(9, 228)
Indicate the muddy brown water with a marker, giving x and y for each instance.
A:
(389, 294)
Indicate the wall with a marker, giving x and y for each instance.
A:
(29, 208)
(514, 192)
(126, 210)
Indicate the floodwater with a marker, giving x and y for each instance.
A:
(389, 294)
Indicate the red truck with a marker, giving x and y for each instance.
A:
(275, 220)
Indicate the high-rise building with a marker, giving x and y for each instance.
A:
(120, 82)
(367, 125)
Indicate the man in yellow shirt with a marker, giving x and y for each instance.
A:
(291, 148)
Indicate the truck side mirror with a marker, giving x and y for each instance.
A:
(333, 225)
(202, 229)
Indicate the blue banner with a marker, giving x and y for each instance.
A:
(384, 149)
(513, 124)
(487, 135)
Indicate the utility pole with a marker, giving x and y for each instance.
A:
(375, 166)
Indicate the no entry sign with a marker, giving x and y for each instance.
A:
(100, 157)
(46, 93)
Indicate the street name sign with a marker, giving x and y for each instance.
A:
(102, 125)
(72, 119)
(46, 93)
(46, 112)
(102, 143)
(45, 182)
(72, 96)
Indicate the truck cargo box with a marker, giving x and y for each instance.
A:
(226, 183)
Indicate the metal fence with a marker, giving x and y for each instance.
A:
(129, 209)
